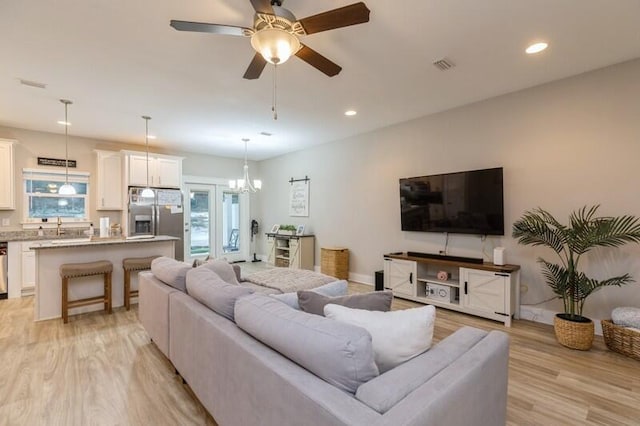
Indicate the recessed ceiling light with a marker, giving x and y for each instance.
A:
(536, 48)
(64, 123)
(350, 113)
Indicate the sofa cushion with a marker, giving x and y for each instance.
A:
(208, 288)
(389, 388)
(314, 303)
(171, 272)
(339, 353)
(336, 288)
(397, 335)
(223, 269)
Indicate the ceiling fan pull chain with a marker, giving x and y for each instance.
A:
(274, 106)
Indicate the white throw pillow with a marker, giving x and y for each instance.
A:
(397, 335)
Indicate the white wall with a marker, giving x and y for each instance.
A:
(33, 144)
(563, 145)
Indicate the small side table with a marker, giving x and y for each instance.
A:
(334, 261)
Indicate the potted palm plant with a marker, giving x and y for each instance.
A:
(585, 232)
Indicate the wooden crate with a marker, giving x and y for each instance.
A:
(334, 261)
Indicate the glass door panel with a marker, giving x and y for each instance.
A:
(199, 231)
(231, 229)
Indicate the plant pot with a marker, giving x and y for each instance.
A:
(574, 332)
(285, 232)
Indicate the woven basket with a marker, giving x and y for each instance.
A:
(573, 334)
(621, 339)
(334, 261)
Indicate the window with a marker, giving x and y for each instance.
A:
(42, 200)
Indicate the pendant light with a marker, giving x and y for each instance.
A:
(147, 192)
(66, 189)
(244, 185)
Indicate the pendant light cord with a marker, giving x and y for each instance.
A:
(146, 141)
(66, 144)
(274, 106)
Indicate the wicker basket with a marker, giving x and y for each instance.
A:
(573, 334)
(621, 339)
(334, 261)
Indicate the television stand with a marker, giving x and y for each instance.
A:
(445, 257)
(457, 283)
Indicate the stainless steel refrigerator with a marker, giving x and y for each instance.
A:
(161, 215)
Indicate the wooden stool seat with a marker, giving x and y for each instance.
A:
(133, 264)
(76, 270)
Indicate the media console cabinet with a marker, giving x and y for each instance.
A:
(481, 289)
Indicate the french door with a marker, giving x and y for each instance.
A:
(216, 223)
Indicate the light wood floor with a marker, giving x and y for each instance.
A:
(102, 369)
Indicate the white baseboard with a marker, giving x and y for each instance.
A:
(361, 278)
(546, 316)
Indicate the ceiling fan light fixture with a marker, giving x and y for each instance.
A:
(275, 45)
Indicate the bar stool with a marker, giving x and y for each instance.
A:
(133, 264)
(76, 270)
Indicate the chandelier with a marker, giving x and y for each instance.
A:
(244, 185)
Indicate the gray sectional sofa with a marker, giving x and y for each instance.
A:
(241, 380)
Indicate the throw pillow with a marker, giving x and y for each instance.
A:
(224, 270)
(314, 303)
(170, 271)
(208, 288)
(336, 288)
(397, 335)
(338, 353)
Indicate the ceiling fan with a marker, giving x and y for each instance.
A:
(276, 31)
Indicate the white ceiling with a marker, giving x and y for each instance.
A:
(119, 59)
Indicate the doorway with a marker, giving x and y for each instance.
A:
(216, 222)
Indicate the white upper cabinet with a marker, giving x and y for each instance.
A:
(164, 171)
(7, 185)
(109, 180)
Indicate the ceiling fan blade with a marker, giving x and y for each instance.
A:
(318, 61)
(262, 6)
(201, 27)
(354, 14)
(255, 67)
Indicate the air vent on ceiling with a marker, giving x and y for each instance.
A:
(266, 134)
(443, 64)
(33, 84)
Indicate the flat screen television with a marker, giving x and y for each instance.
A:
(468, 202)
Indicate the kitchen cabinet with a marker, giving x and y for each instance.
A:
(164, 171)
(7, 176)
(109, 194)
(28, 270)
(485, 290)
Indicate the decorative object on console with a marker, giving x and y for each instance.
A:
(300, 230)
(244, 185)
(275, 229)
(443, 275)
(286, 229)
(498, 256)
(570, 242)
(147, 192)
(66, 189)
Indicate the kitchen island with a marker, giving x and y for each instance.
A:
(51, 254)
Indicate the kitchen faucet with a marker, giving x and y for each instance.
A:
(60, 230)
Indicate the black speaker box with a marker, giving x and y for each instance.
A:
(379, 280)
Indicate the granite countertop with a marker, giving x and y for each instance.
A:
(49, 234)
(84, 242)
